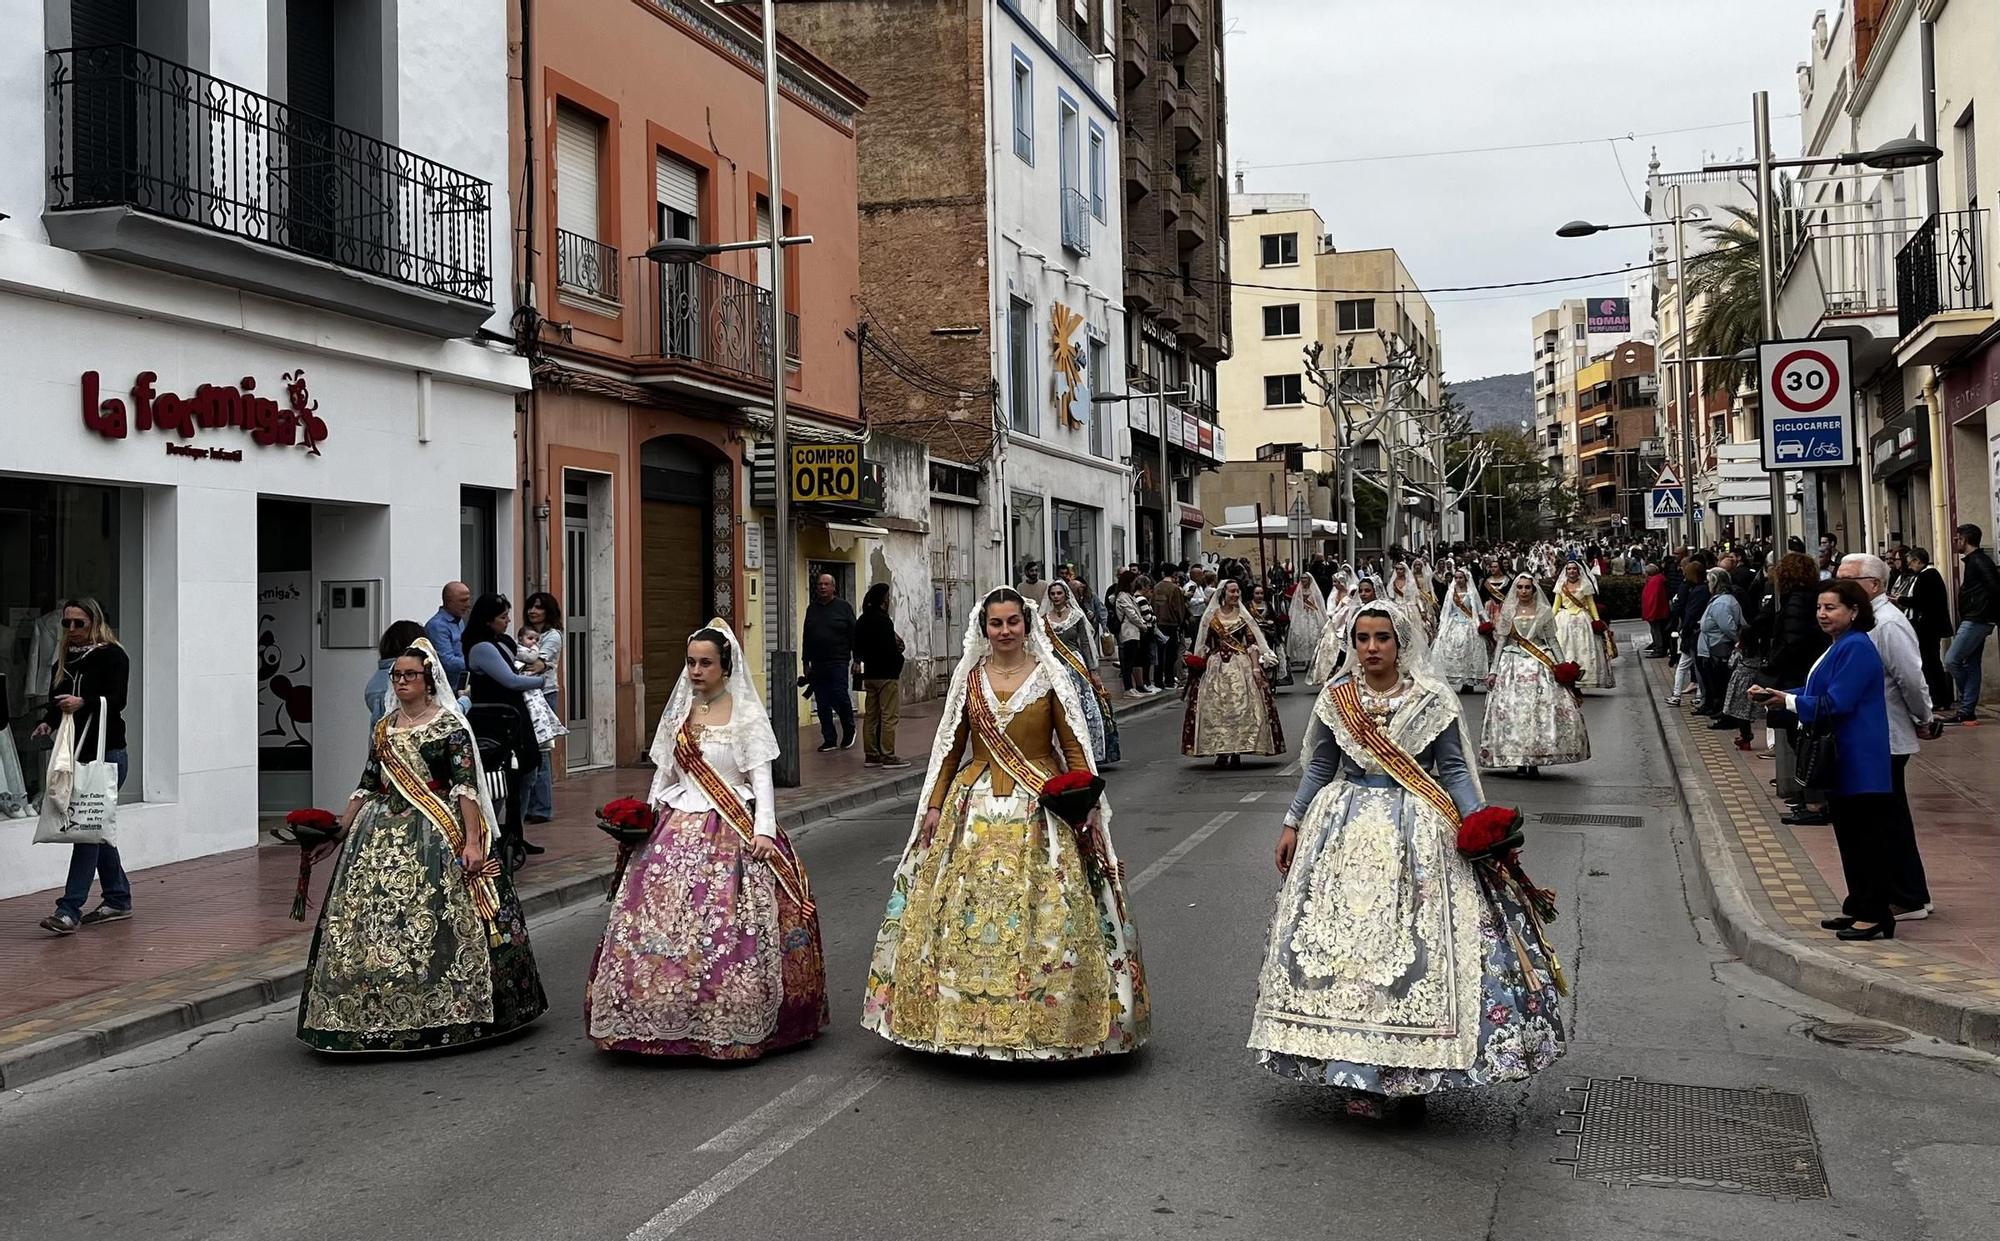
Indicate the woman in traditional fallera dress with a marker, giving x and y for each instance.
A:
(421, 943)
(1308, 621)
(1403, 590)
(1460, 653)
(1395, 967)
(1580, 632)
(1230, 710)
(1074, 641)
(713, 946)
(1532, 720)
(1007, 935)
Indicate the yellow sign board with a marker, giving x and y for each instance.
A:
(825, 472)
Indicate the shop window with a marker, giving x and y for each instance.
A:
(1025, 517)
(59, 541)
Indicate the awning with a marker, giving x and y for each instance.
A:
(1275, 526)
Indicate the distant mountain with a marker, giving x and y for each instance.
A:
(1497, 400)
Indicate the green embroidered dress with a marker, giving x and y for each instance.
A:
(401, 960)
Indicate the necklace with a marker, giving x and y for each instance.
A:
(703, 704)
(1006, 670)
(411, 721)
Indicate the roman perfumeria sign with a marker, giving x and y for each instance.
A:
(1606, 316)
(294, 424)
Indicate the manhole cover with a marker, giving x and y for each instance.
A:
(1696, 1137)
(1593, 820)
(1857, 1033)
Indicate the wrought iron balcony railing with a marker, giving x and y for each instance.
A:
(1076, 221)
(710, 317)
(586, 265)
(1943, 268)
(128, 129)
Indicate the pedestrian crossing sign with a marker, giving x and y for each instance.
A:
(1668, 503)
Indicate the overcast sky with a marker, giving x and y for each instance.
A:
(1342, 79)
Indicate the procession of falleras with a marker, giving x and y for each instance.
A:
(1406, 954)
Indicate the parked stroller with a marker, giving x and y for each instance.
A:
(498, 730)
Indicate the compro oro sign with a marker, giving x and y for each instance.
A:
(1808, 397)
(826, 472)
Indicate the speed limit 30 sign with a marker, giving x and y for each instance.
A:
(1808, 399)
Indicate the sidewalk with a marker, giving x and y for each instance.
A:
(213, 936)
(1770, 884)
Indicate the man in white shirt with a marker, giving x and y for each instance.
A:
(1910, 718)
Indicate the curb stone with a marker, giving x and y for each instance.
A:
(1862, 989)
(73, 1049)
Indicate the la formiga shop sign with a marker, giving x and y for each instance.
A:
(294, 423)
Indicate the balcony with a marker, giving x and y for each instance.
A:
(1840, 282)
(587, 268)
(1075, 53)
(1183, 26)
(1135, 57)
(1137, 157)
(1076, 222)
(1191, 223)
(707, 327)
(1180, 111)
(154, 163)
(1944, 292)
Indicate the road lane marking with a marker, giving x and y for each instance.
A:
(757, 1158)
(1181, 850)
(739, 1135)
(893, 857)
(1248, 797)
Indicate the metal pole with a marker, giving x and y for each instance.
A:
(1344, 435)
(1500, 479)
(1760, 104)
(1682, 383)
(784, 693)
(1166, 480)
(1390, 441)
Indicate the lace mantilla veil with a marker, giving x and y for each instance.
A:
(1054, 672)
(1510, 609)
(749, 725)
(1431, 708)
(447, 701)
(1214, 609)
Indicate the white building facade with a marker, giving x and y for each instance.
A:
(1061, 485)
(250, 254)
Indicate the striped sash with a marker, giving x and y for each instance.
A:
(402, 770)
(730, 808)
(1398, 762)
(1006, 755)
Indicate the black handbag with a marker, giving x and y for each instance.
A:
(1815, 756)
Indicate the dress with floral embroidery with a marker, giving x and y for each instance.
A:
(706, 954)
(401, 959)
(1394, 966)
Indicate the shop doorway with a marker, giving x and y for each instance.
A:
(284, 655)
(676, 548)
(589, 656)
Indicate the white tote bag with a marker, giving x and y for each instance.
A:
(80, 801)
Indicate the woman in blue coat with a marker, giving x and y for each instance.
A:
(1845, 691)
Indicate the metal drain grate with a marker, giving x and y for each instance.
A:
(1593, 820)
(1696, 1137)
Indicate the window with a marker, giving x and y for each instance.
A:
(1968, 162)
(1281, 320)
(677, 197)
(1281, 249)
(1024, 108)
(1356, 316)
(1099, 380)
(1025, 523)
(1284, 390)
(1582, 332)
(1097, 172)
(1070, 150)
(1021, 366)
(577, 145)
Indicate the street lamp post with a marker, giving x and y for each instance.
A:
(784, 696)
(1159, 397)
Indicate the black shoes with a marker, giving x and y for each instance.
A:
(1885, 929)
(1838, 923)
(827, 747)
(847, 741)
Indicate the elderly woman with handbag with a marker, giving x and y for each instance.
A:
(1842, 711)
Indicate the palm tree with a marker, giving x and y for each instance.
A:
(1726, 277)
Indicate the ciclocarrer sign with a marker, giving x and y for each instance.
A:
(1808, 399)
(825, 472)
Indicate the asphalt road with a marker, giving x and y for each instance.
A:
(237, 1131)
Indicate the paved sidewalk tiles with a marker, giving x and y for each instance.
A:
(1792, 877)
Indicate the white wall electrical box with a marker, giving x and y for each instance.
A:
(350, 613)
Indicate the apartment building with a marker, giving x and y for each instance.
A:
(1561, 350)
(1364, 302)
(648, 431)
(1616, 446)
(253, 268)
(1170, 85)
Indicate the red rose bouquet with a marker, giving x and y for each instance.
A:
(1597, 626)
(1072, 795)
(1195, 663)
(628, 821)
(1485, 629)
(316, 832)
(1568, 673)
(1490, 831)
